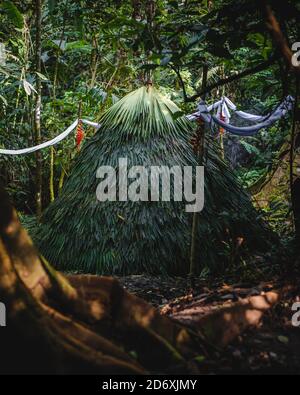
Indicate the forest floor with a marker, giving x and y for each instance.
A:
(271, 348)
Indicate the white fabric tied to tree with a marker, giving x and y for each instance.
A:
(222, 111)
(245, 115)
(221, 108)
(261, 122)
(222, 118)
(49, 143)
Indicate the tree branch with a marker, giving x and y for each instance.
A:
(177, 71)
(278, 37)
(232, 78)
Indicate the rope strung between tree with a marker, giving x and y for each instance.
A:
(223, 116)
(222, 119)
(50, 143)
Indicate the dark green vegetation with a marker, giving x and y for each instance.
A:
(98, 52)
(80, 234)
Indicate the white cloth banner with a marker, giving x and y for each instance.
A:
(266, 121)
(90, 123)
(49, 143)
(250, 117)
(222, 111)
(224, 106)
(214, 106)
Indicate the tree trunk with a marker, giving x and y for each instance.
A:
(91, 325)
(61, 179)
(38, 43)
(94, 61)
(278, 36)
(51, 180)
(200, 151)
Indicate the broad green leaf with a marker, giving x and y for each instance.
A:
(78, 46)
(13, 13)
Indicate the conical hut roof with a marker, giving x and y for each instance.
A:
(81, 234)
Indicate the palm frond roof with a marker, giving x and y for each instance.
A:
(83, 235)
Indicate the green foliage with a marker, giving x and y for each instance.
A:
(80, 234)
(13, 14)
(98, 51)
(52, 4)
(251, 149)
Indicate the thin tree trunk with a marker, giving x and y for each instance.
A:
(222, 147)
(51, 181)
(293, 136)
(201, 150)
(55, 80)
(278, 36)
(38, 66)
(61, 179)
(55, 76)
(94, 62)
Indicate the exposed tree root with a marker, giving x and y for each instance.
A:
(222, 326)
(89, 324)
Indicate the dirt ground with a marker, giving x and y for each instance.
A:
(271, 348)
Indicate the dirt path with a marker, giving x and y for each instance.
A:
(271, 348)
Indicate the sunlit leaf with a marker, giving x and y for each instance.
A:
(28, 87)
(42, 76)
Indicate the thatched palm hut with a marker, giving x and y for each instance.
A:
(81, 234)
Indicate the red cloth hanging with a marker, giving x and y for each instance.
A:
(223, 119)
(79, 135)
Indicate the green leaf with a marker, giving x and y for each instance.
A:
(28, 87)
(283, 339)
(177, 115)
(3, 100)
(79, 46)
(13, 14)
(200, 358)
(3, 71)
(52, 5)
(251, 149)
(42, 76)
